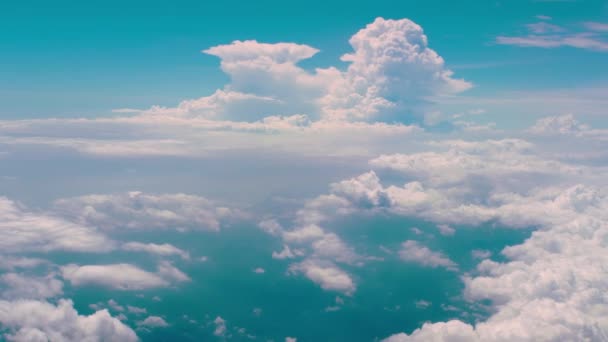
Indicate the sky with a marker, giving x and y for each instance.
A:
(321, 171)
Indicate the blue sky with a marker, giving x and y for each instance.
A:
(396, 171)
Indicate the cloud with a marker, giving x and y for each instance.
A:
(224, 105)
(164, 249)
(30, 320)
(452, 331)
(171, 273)
(392, 71)
(153, 322)
(22, 230)
(596, 26)
(563, 124)
(545, 35)
(287, 253)
(326, 275)
(480, 254)
(446, 230)
(220, 326)
(122, 276)
(11, 263)
(413, 251)
(136, 310)
(137, 210)
(15, 285)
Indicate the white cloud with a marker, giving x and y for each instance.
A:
(137, 210)
(115, 306)
(304, 234)
(446, 230)
(171, 273)
(452, 331)
(11, 263)
(326, 275)
(564, 124)
(14, 285)
(26, 231)
(153, 322)
(480, 254)
(220, 326)
(164, 249)
(29, 320)
(259, 270)
(413, 251)
(122, 276)
(545, 35)
(136, 310)
(596, 26)
(392, 71)
(287, 253)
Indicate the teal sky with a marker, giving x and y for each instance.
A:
(72, 59)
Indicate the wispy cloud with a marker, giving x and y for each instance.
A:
(545, 35)
(595, 26)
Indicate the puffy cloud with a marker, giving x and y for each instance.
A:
(480, 254)
(153, 322)
(392, 71)
(137, 210)
(413, 251)
(287, 253)
(122, 276)
(164, 249)
(452, 331)
(10, 263)
(14, 285)
(326, 275)
(225, 105)
(27, 231)
(220, 326)
(564, 124)
(171, 273)
(136, 310)
(30, 320)
(115, 306)
(497, 160)
(307, 233)
(446, 230)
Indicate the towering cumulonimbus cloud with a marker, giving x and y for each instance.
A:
(391, 76)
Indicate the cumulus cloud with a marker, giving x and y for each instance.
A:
(122, 276)
(15, 285)
(11, 262)
(326, 275)
(164, 249)
(392, 72)
(287, 253)
(564, 124)
(220, 326)
(137, 210)
(413, 251)
(22, 230)
(30, 320)
(153, 322)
